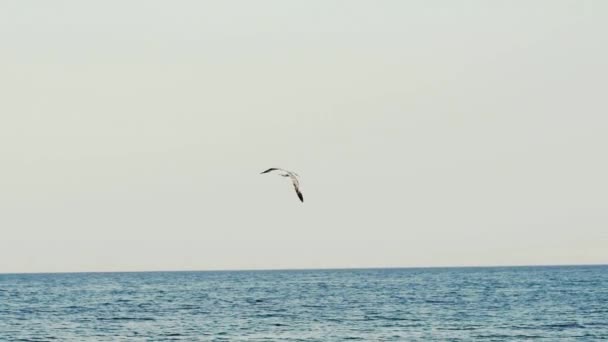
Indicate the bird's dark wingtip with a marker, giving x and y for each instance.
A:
(271, 169)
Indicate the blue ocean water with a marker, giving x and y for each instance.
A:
(425, 304)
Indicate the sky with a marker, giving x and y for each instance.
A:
(426, 133)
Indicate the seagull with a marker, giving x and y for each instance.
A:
(294, 179)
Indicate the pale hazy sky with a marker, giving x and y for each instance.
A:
(427, 133)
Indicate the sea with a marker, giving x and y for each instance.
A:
(557, 303)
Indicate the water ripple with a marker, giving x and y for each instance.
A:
(457, 304)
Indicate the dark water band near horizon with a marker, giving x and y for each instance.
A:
(410, 304)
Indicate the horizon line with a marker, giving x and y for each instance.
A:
(311, 269)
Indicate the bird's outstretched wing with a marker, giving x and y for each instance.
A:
(295, 186)
(271, 169)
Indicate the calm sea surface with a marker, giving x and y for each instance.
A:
(443, 304)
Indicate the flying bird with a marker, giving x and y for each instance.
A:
(294, 179)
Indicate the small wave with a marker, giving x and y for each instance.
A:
(459, 328)
(172, 334)
(596, 324)
(600, 311)
(499, 336)
(438, 301)
(525, 327)
(523, 336)
(255, 301)
(126, 319)
(188, 307)
(388, 318)
(564, 326)
(269, 315)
